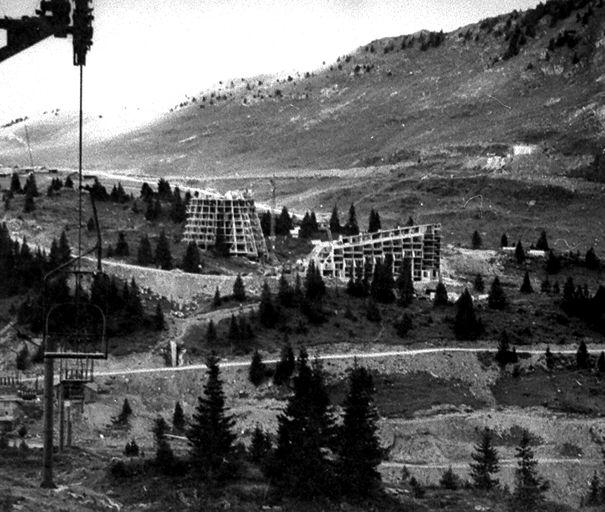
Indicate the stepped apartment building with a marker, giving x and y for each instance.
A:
(228, 222)
(349, 255)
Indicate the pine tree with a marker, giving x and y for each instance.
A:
(591, 260)
(553, 263)
(257, 369)
(211, 335)
(144, 254)
(496, 298)
(267, 312)
(210, 433)
(351, 227)
(359, 452)
(29, 205)
(530, 487)
(503, 354)
(478, 284)
(260, 446)
(382, 285)
(300, 466)
(283, 224)
(163, 258)
(239, 291)
(466, 324)
(315, 287)
(503, 240)
(234, 331)
(476, 241)
(542, 243)
(405, 285)
(158, 318)
(191, 259)
(374, 221)
(285, 293)
(526, 286)
(549, 358)
(178, 418)
(335, 227)
(121, 246)
(164, 458)
(582, 357)
(123, 418)
(450, 480)
(519, 252)
(69, 183)
(440, 295)
(285, 366)
(486, 462)
(217, 301)
(15, 186)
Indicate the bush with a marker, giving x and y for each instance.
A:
(450, 480)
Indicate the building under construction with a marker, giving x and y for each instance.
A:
(351, 256)
(227, 222)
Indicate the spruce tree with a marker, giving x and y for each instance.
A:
(403, 325)
(300, 466)
(496, 298)
(382, 285)
(582, 357)
(476, 240)
(158, 318)
(450, 480)
(503, 240)
(285, 293)
(285, 366)
(486, 462)
(178, 418)
(191, 259)
(359, 452)
(440, 295)
(591, 260)
(478, 284)
(69, 183)
(530, 487)
(164, 458)
(122, 249)
(374, 221)
(553, 263)
(283, 224)
(351, 227)
(526, 286)
(549, 358)
(542, 243)
(405, 284)
(163, 258)
(234, 334)
(267, 312)
(260, 446)
(210, 432)
(123, 418)
(29, 205)
(216, 300)
(211, 335)
(239, 291)
(466, 324)
(335, 227)
(315, 287)
(15, 186)
(519, 252)
(144, 254)
(257, 369)
(503, 354)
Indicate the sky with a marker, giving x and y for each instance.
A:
(149, 54)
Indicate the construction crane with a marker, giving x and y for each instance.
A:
(60, 18)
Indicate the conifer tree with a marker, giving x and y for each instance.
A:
(164, 458)
(486, 462)
(144, 254)
(298, 291)
(549, 358)
(234, 332)
(69, 183)
(545, 286)
(582, 357)
(476, 240)
(504, 354)
(123, 418)
(260, 446)
(239, 291)
(601, 363)
(217, 301)
(591, 260)
(335, 227)
(478, 284)
(158, 318)
(285, 293)
(191, 259)
(519, 252)
(122, 249)
(503, 240)
(450, 480)
(15, 186)
(257, 369)
(351, 227)
(553, 263)
(163, 258)
(315, 287)
(283, 224)
(410, 222)
(64, 250)
(440, 295)
(211, 335)
(359, 452)
(382, 285)
(29, 205)
(178, 418)
(210, 432)
(595, 492)
(285, 366)
(466, 324)
(374, 221)
(403, 325)
(542, 243)
(496, 298)
(530, 487)
(300, 466)
(405, 285)
(526, 286)
(267, 312)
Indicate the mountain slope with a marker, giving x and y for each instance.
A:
(533, 77)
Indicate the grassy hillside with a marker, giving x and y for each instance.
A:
(391, 100)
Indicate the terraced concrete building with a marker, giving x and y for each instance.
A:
(226, 222)
(350, 256)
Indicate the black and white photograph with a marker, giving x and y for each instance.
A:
(302, 255)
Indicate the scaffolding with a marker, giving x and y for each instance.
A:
(227, 222)
(351, 256)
